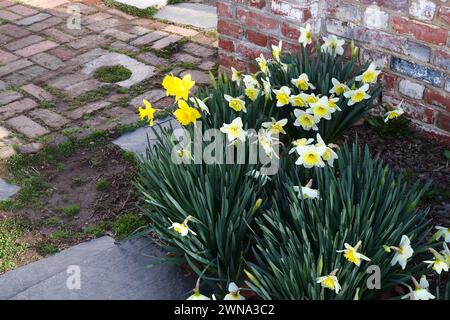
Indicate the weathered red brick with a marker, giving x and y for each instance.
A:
(257, 20)
(290, 31)
(431, 133)
(290, 10)
(224, 10)
(444, 121)
(437, 98)
(257, 3)
(388, 80)
(229, 61)
(249, 51)
(419, 30)
(226, 45)
(257, 38)
(444, 14)
(229, 29)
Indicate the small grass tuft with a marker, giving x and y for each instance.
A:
(102, 184)
(46, 249)
(112, 74)
(10, 245)
(128, 223)
(69, 210)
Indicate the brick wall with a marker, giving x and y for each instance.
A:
(409, 39)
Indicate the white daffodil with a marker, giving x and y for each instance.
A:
(329, 155)
(393, 114)
(352, 254)
(370, 75)
(446, 253)
(252, 93)
(332, 103)
(237, 104)
(305, 120)
(267, 88)
(182, 228)
(250, 81)
(302, 82)
(442, 232)
(330, 281)
(276, 51)
(305, 35)
(275, 127)
(282, 96)
(298, 101)
(333, 45)
(262, 63)
(338, 88)
(307, 192)
(358, 95)
(268, 142)
(300, 143)
(258, 175)
(439, 263)
(236, 76)
(321, 108)
(200, 104)
(420, 291)
(310, 156)
(233, 292)
(234, 130)
(196, 293)
(311, 98)
(403, 252)
(185, 154)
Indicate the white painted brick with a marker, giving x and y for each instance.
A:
(422, 9)
(376, 18)
(411, 89)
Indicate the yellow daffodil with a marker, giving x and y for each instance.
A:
(420, 291)
(321, 108)
(370, 75)
(179, 88)
(338, 88)
(333, 45)
(262, 63)
(307, 192)
(311, 98)
(234, 130)
(236, 76)
(300, 143)
(251, 93)
(233, 293)
(276, 51)
(393, 114)
(186, 114)
(148, 112)
(310, 156)
(182, 228)
(305, 35)
(298, 100)
(357, 95)
(439, 263)
(305, 120)
(267, 88)
(282, 96)
(329, 155)
(236, 104)
(332, 103)
(330, 281)
(403, 252)
(275, 127)
(302, 82)
(352, 254)
(442, 232)
(200, 104)
(196, 293)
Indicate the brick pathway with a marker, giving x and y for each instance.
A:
(47, 87)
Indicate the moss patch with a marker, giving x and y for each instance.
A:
(10, 245)
(146, 13)
(112, 74)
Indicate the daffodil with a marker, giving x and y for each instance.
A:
(393, 114)
(333, 45)
(234, 130)
(439, 263)
(358, 95)
(446, 253)
(442, 232)
(250, 81)
(310, 156)
(307, 192)
(321, 108)
(262, 63)
(403, 252)
(352, 254)
(302, 82)
(251, 93)
(338, 88)
(329, 155)
(179, 88)
(332, 103)
(236, 104)
(305, 35)
(311, 98)
(233, 293)
(276, 51)
(148, 112)
(200, 104)
(186, 114)
(196, 293)
(267, 88)
(370, 75)
(300, 143)
(268, 142)
(182, 228)
(275, 127)
(420, 291)
(236, 76)
(282, 96)
(298, 100)
(305, 120)
(330, 281)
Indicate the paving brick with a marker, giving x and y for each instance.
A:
(6, 57)
(120, 35)
(207, 65)
(50, 118)
(9, 16)
(88, 56)
(58, 35)
(185, 57)
(184, 32)
(31, 148)
(153, 95)
(79, 88)
(37, 92)
(87, 109)
(22, 10)
(104, 25)
(23, 42)
(63, 53)
(151, 58)
(47, 60)
(26, 75)
(13, 31)
(33, 19)
(148, 38)
(138, 30)
(27, 127)
(6, 3)
(36, 48)
(66, 80)
(200, 77)
(198, 50)
(17, 107)
(89, 42)
(122, 115)
(9, 96)
(165, 42)
(53, 21)
(97, 17)
(13, 66)
(4, 39)
(119, 45)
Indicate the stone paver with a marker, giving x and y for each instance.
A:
(6, 57)
(9, 96)
(36, 48)
(50, 118)
(37, 92)
(149, 38)
(7, 190)
(193, 14)
(165, 42)
(27, 126)
(23, 42)
(14, 66)
(47, 60)
(36, 18)
(87, 109)
(16, 107)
